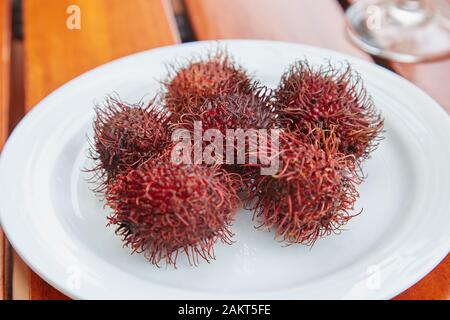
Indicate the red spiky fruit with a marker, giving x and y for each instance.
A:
(331, 98)
(166, 209)
(313, 192)
(249, 109)
(243, 113)
(125, 136)
(204, 80)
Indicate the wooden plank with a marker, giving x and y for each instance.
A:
(17, 99)
(319, 23)
(432, 77)
(434, 286)
(55, 54)
(5, 59)
(19, 279)
(109, 29)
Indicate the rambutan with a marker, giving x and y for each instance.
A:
(249, 109)
(204, 80)
(126, 136)
(334, 99)
(313, 192)
(242, 113)
(162, 209)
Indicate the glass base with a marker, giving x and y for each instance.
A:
(402, 30)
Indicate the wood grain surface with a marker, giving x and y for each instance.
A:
(434, 286)
(5, 59)
(319, 23)
(54, 54)
(19, 277)
(432, 77)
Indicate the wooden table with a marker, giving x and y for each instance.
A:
(5, 61)
(54, 54)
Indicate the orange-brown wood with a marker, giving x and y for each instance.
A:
(5, 60)
(434, 286)
(319, 23)
(17, 100)
(55, 54)
(311, 22)
(16, 289)
(109, 29)
(432, 77)
(5, 55)
(439, 277)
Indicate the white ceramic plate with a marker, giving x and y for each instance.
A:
(58, 226)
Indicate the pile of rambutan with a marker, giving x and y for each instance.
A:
(326, 125)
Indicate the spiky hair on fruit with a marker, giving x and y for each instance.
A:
(203, 79)
(126, 136)
(313, 193)
(163, 209)
(247, 109)
(242, 112)
(334, 98)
